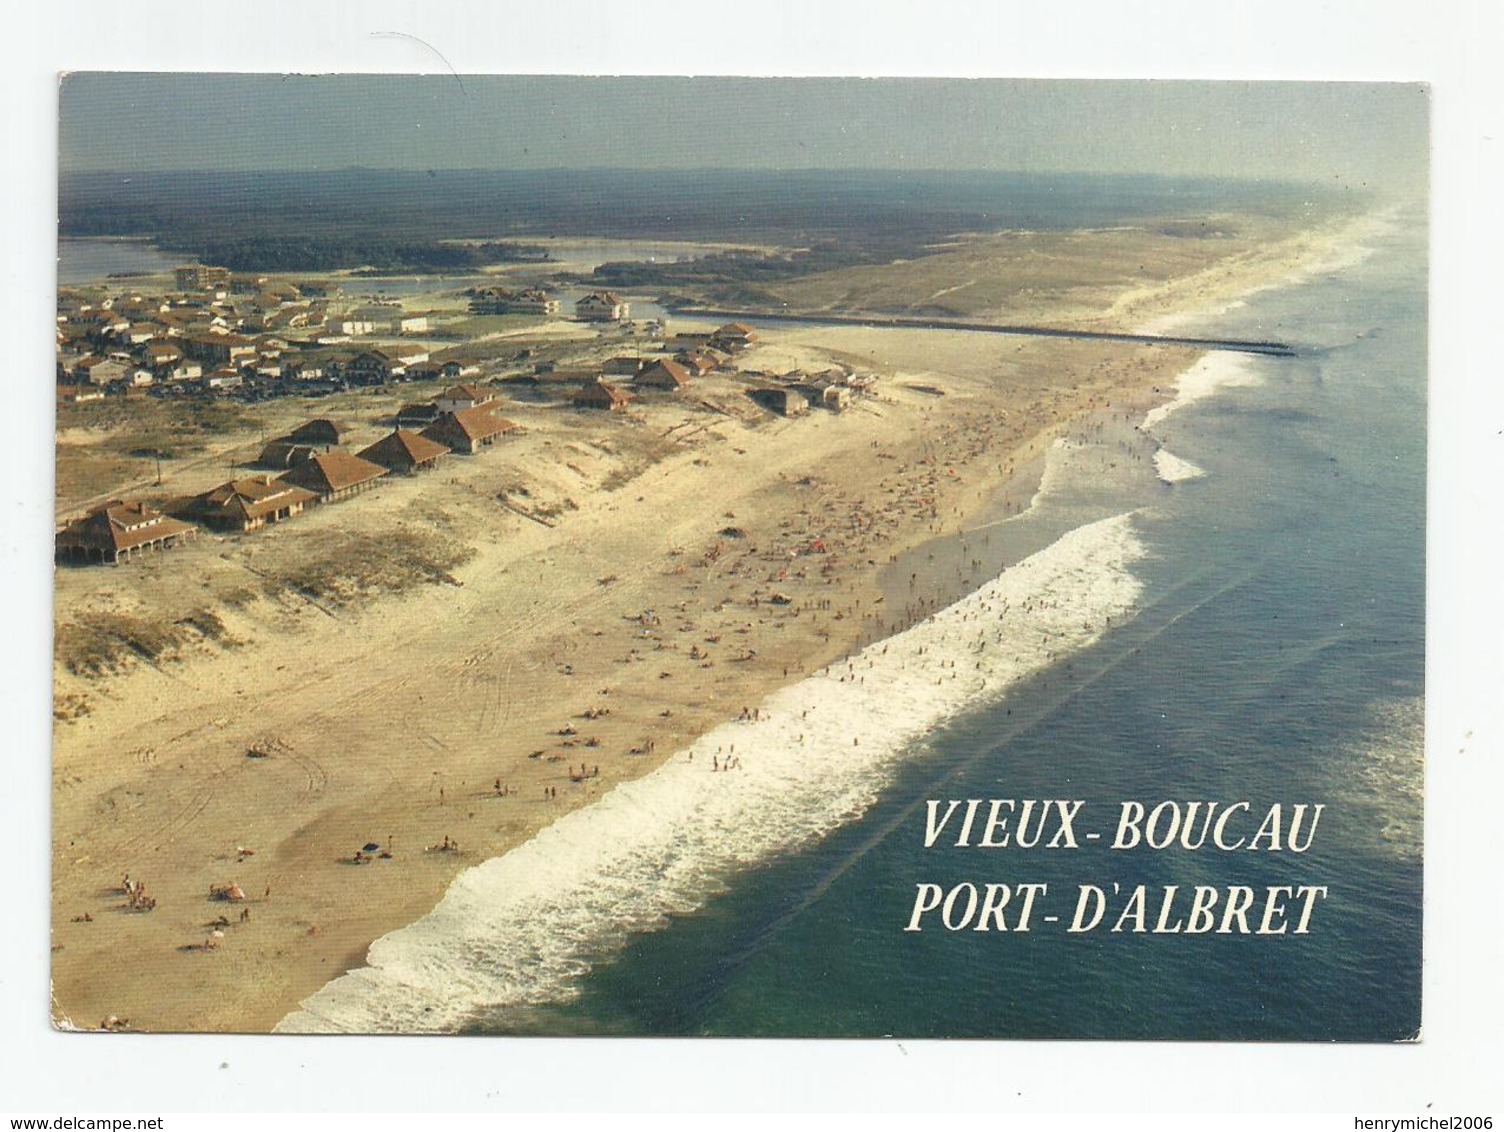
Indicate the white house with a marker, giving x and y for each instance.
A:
(346, 325)
(98, 371)
(184, 371)
(602, 306)
(223, 379)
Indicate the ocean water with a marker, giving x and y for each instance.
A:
(95, 260)
(1224, 603)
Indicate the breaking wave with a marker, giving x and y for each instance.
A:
(1172, 469)
(523, 928)
(1209, 376)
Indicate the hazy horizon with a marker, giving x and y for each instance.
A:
(1273, 180)
(1343, 135)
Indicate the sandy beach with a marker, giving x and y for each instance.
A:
(590, 597)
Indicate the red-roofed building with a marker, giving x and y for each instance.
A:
(469, 430)
(249, 503)
(405, 452)
(116, 531)
(221, 349)
(733, 336)
(663, 374)
(160, 355)
(334, 475)
(602, 395)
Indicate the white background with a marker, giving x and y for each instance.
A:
(1455, 46)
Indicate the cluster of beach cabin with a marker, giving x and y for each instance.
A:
(249, 336)
(199, 335)
(312, 468)
(117, 531)
(225, 335)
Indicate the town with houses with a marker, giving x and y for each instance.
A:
(220, 336)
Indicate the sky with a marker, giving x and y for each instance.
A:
(1344, 133)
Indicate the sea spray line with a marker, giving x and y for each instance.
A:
(1208, 376)
(522, 928)
(1212, 373)
(1146, 625)
(1347, 247)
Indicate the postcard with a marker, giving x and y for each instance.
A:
(740, 557)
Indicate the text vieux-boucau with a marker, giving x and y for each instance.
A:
(1007, 823)
(1023, 824)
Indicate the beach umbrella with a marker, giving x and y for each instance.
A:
(370, 847)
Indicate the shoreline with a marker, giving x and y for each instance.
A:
(832, 635)
(561, 899)
(952, 602)
(312, 948)
(1034, 594)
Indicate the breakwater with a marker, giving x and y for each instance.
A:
(1235, 345)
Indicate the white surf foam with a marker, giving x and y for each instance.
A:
(1057, 471)
(1346, 248)
(1354, 244)
(1172, 469)
(522, 928)
(1211, 374)
(1181, 322)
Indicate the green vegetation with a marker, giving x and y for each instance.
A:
(736, 277)
(268, 252)
(348, 565)
(120, 441)
(95, 644)
(147, 420)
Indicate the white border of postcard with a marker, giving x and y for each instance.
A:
(1454, 45)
